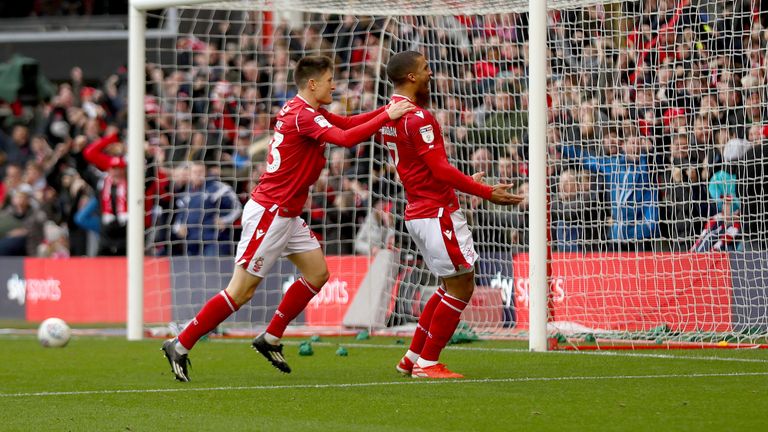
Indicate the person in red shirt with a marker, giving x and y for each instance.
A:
(113, 194)
(433, 216)
(271, 225)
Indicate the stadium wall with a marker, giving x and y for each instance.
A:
(635, 292)
(93, 290)
(699, 292)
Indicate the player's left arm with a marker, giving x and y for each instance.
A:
(348, 138)
(355, 135)
(444, 172)
(428, 141)
(347, 122)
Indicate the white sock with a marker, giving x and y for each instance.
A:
(425, 363)
(272, 340)
(412, 356)
(180, 348)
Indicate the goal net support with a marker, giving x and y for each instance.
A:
(635, 130)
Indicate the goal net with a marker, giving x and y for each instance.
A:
(655, 162)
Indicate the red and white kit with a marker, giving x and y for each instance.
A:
(271, 223)
(445, 242)
(433, 216)
(268, 236)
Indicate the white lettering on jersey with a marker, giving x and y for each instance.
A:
(279, 125)
(427, 133)
(322, 122)
(448, 233)
(284, 110)
(389, 131)
(420, 114)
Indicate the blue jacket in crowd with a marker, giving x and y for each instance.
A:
(634, 194)
(199, 208)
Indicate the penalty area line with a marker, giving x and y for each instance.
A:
(382, 384)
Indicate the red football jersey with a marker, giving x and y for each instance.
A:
(408, 139)
(295, 159)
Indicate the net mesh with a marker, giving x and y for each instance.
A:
(655, 159)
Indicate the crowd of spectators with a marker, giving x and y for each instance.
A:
(657, 124)
(59, 8)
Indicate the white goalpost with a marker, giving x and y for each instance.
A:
(136, 246)
(636, 130)
(537, 134)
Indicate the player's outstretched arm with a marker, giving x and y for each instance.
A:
(353, 136)
(445, 172)
(479, 177)
(346, 122)
(499, 192)
(500, 195)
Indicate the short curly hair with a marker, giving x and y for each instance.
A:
(401, 64)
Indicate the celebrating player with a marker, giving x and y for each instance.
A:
(271, 223)
(433, 217)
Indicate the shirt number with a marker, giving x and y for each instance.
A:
(277, 138)
(393, 149)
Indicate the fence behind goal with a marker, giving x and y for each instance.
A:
(655, 138)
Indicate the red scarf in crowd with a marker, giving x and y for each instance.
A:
(108, 211)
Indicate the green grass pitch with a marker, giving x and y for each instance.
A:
(109, 384)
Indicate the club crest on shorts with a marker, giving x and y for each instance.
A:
(258, 264)
(427, 133)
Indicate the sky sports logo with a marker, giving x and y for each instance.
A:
(334, 292)
(33, 290)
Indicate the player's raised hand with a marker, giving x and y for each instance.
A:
(399, 109)
(500, 195)
(479, 177)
